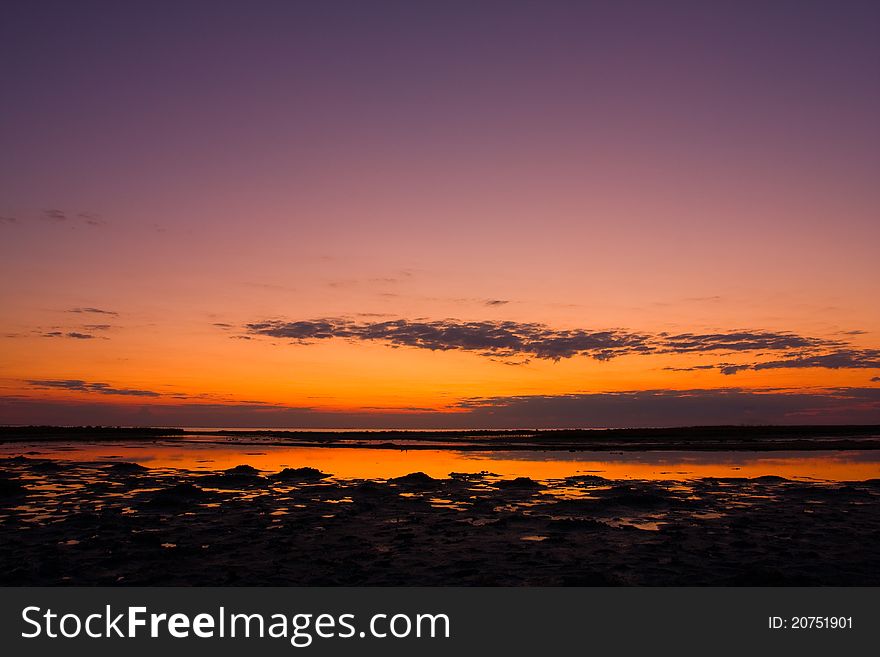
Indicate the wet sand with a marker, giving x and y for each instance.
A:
(99, 523)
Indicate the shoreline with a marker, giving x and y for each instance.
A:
(711, 438)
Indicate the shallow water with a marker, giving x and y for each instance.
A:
(378, 463)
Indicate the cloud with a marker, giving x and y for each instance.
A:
(727, 368)
(54, 215)
(710, 299)
(269, 286)
(343, 283)
(76, 335)
(737, 341)
(96, 311)
(875, 379)
(496, 302)
(8, 220)
(532, 340)
(304, 330)
(78, 385)
(91, 219)
(836, 360)
(484, 337)
(57, 216)
(648, 408)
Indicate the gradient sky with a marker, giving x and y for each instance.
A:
(439, 214)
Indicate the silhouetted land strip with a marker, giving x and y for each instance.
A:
(750, 438)
(90, 433)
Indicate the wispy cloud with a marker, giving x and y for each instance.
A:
(91, 218)
(78, 385)
(75, 335)
(95, 311)
(54, 215)
(79, 336)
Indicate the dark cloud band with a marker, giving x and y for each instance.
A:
(643, 408)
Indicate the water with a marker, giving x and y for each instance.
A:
(378, 463)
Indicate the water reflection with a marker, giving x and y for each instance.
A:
(353, 462)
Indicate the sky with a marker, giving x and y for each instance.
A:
(439, 214)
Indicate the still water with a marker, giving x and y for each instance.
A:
(377, 463)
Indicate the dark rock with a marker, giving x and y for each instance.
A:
(520, 483)
(243, 469)
(471, 476)
(11, 488)
(585, 479)
(299, 474)
(413, 479)
(124, 467)
(179, 495)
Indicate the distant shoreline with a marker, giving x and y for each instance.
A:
(710, 438)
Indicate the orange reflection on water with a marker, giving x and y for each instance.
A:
(353, 462)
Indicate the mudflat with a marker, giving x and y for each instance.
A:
(101, 523)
